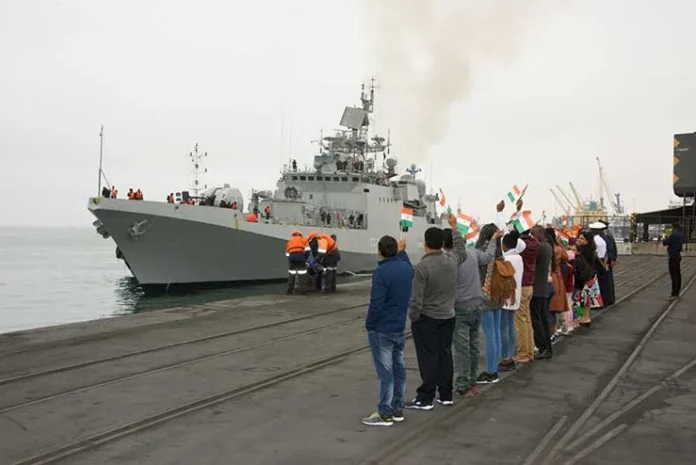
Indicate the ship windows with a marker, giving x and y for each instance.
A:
(294, 178)
(303, 178)
(366, 190)
(356, 179)
(344, 179)
(337, 179)
(310, 178)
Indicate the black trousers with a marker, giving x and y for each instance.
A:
(433, 341)
(675, 274)
(538, 309)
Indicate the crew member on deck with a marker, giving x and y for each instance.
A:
(297, 251)
(131, 194)
(267, 212)
(170, 198)
(114, 192)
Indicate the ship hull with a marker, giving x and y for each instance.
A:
(169, 244)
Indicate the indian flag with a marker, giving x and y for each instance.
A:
(443, 201)
(464, 223)
(522, 221)
(406, 217)
(516, 193)
(472, 236)
(563, 238)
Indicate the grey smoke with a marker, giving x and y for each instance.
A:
(426, 56)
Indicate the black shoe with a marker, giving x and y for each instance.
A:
(545, 355)
(487, 378)
(416, 404)
(509, 366)
(398, 416)
(445, 402)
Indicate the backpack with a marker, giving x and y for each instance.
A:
(500, 285)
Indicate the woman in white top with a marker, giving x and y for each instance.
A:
(512, 247)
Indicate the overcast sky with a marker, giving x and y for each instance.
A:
(548, 89)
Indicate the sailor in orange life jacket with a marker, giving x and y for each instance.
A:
(297, 251)
(114, 192)
(130, 194)
(170, 198)
(325, 252)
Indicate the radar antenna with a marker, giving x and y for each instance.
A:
(197, 158)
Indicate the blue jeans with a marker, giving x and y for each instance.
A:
(491, 331)
(508, 338)
(388, 355)
(466, 339)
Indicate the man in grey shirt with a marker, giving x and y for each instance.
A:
(539, 306)
(431, 310)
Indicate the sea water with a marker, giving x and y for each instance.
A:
(51, 276)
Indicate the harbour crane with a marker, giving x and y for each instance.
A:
(565, 196)
(614, 199)
(564, 207)
(580, 207)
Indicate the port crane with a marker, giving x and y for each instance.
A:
(564, 207)
(614, 199)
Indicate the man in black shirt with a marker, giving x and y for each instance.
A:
(673, 242)
(539, 306)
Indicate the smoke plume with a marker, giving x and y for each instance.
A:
(426, 56)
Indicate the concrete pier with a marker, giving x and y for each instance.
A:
(285, 380)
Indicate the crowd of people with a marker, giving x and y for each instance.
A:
(523, 288)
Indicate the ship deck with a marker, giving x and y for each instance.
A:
(281, 379)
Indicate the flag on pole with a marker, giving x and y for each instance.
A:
(563, 237)
(464, 223)
(472, 236)
(522, 221)
(443, 201)
(406, 217)
(516, 193)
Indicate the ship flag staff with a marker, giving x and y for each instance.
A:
(297, 250)
(324, 253)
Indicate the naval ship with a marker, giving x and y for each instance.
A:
(354, 190)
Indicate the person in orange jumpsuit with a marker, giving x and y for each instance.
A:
(297, 251)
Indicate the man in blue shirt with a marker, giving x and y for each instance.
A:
(385, 322)
(674, 249)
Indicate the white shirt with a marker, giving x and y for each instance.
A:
(601, 246)
(513, 257)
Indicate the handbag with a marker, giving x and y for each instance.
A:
(487, 280)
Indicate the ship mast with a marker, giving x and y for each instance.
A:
(197, 160)
(101, 158)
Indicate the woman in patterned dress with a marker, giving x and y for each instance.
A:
(587, 267)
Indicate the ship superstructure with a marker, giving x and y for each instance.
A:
(353, 190)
